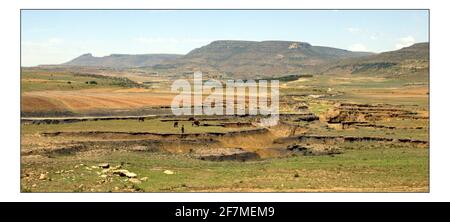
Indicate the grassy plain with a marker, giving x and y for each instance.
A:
(360, 167)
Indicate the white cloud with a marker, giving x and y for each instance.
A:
(405, 42)
(48, 51)
(54, 41)
(354, 30)
(358, 47)
(179, 45)
(42, 44)
(159, 40)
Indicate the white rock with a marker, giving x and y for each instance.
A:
(104, 165)
(169, 172)
(131, 175)
(43, 176)
(135, 181)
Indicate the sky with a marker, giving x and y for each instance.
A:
(57, 36)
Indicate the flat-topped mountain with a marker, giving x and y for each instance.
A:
(268, 58)
(263, 58)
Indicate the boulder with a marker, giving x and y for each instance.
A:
(168, 172)
(104, 165)
(43, 176)
(124, 173)
(135, 180)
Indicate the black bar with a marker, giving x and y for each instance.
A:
(223, 211)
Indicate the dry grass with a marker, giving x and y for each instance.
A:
(92, 99)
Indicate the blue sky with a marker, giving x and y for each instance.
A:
(56, 36)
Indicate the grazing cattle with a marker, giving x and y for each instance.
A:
(196, 123)
(141, 119)
(182, 129)
(175, 124)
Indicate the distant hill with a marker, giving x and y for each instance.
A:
(266, 58)
(121, 60)
(410, 59)
(243, 59)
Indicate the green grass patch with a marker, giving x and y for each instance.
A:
(149, 125)
(376, 169)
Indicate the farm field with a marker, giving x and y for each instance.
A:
(337, 133)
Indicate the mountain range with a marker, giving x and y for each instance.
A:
(121, 60)
(267, 58)
(414, 58)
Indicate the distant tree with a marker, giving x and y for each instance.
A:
(93, 82)
(69, 82)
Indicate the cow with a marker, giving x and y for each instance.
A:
(141, 119)
(196, 123)
(175, 124)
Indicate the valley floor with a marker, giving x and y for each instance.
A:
(337, 134)
(363, 169)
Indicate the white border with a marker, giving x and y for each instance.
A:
(9, 126)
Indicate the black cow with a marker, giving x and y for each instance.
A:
(196, 123)
(175, 124)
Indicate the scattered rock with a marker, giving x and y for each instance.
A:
(168, 172)
(135, 180)
(144, 179)
(103, 176)
(120, 172)
(131, 175)
(43, 176)
(125, 173)
(116, 167)
(104, 165)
